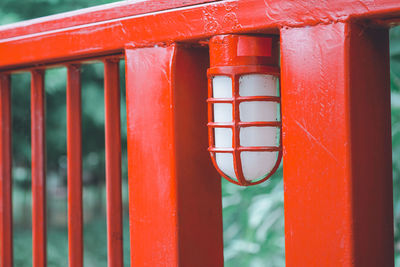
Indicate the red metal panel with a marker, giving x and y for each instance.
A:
(38, 160)
(174, 192)
(74, 154)
(113, 162)
(336, 120)
(195, 22)
(6, 242)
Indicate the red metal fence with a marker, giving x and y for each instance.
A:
(335, 116)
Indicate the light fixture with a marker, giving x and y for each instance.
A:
(244, 118)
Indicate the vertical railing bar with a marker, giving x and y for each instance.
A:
(6, 242)
(113, 162)
(38, 161)
(74, 154)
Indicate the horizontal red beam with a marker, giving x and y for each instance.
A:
(100, 37)
(92, 15)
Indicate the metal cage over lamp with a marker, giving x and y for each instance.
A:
(244, 117)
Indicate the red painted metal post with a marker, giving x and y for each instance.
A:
(74, 154)
(6, 242)
(38, 161)
(337, 146)
(174, 191)
(113, 162)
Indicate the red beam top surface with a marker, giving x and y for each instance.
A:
(92, 15)
(107, 29)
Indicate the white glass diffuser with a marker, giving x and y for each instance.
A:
(244, 114)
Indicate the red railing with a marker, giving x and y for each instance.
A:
(335, 87)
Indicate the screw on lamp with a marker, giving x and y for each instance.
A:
(244, 118)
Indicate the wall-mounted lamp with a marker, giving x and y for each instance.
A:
(244, 118)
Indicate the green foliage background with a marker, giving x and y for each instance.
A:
(253, 217)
